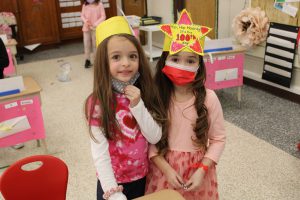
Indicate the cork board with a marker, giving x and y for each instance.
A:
(276, 15)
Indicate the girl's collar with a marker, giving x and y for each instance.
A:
(192, 98)
(118, 86)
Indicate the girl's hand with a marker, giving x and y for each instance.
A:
(195, 180)
(173, 178)
(92, 28)
(133, 94)
(117, 196)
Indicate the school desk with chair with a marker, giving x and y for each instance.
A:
(224, 69)
(21, 117)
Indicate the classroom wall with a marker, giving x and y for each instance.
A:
(228, 9)
(162, 9)
(255, 56)
(159, 8)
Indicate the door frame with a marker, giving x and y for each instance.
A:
(145, 7)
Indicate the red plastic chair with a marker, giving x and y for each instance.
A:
(47, 182)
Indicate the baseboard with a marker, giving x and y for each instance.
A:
(25, 51)
(273, 90)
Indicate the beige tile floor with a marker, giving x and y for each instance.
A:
(250, 168)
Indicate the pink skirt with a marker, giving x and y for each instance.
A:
(181, 162)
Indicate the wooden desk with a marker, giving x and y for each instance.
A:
(31, 88)
(225, 70)
(12, 45)
(162, 195)
(27, 103)
(236, 49)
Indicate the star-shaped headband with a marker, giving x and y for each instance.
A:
(184, 35)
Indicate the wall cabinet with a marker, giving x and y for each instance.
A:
(207, 16)
(69, 21)
(36, 20)
(49, 21)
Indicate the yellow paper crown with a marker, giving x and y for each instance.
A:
(112, 26)
(184, 35)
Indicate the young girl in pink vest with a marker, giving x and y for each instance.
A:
(124, 112)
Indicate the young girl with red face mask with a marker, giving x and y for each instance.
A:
(185, 158)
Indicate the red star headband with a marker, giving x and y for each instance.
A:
(184, 35)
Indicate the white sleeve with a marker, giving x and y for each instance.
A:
(102, 161)
(150, 129)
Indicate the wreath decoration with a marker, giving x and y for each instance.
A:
(250, 26)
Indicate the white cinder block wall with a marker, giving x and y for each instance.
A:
(228, 9)
(162, 9)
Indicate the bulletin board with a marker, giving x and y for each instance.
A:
(275, 15)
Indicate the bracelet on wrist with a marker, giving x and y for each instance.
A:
(111, 191)
(200, 165)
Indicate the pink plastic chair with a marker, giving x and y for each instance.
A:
(10, 70)
(47, 182)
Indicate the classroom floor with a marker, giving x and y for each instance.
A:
(260, 160)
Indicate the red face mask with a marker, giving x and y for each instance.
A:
(179, 74)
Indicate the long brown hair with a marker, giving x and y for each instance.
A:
(166, 90)
(102, 89)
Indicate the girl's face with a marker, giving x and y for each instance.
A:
(123, 58)
(184, 58)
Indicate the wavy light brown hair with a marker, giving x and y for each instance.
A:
(166, 90)
(103, 92)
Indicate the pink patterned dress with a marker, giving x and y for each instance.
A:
(181, 162)
(183, 154)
